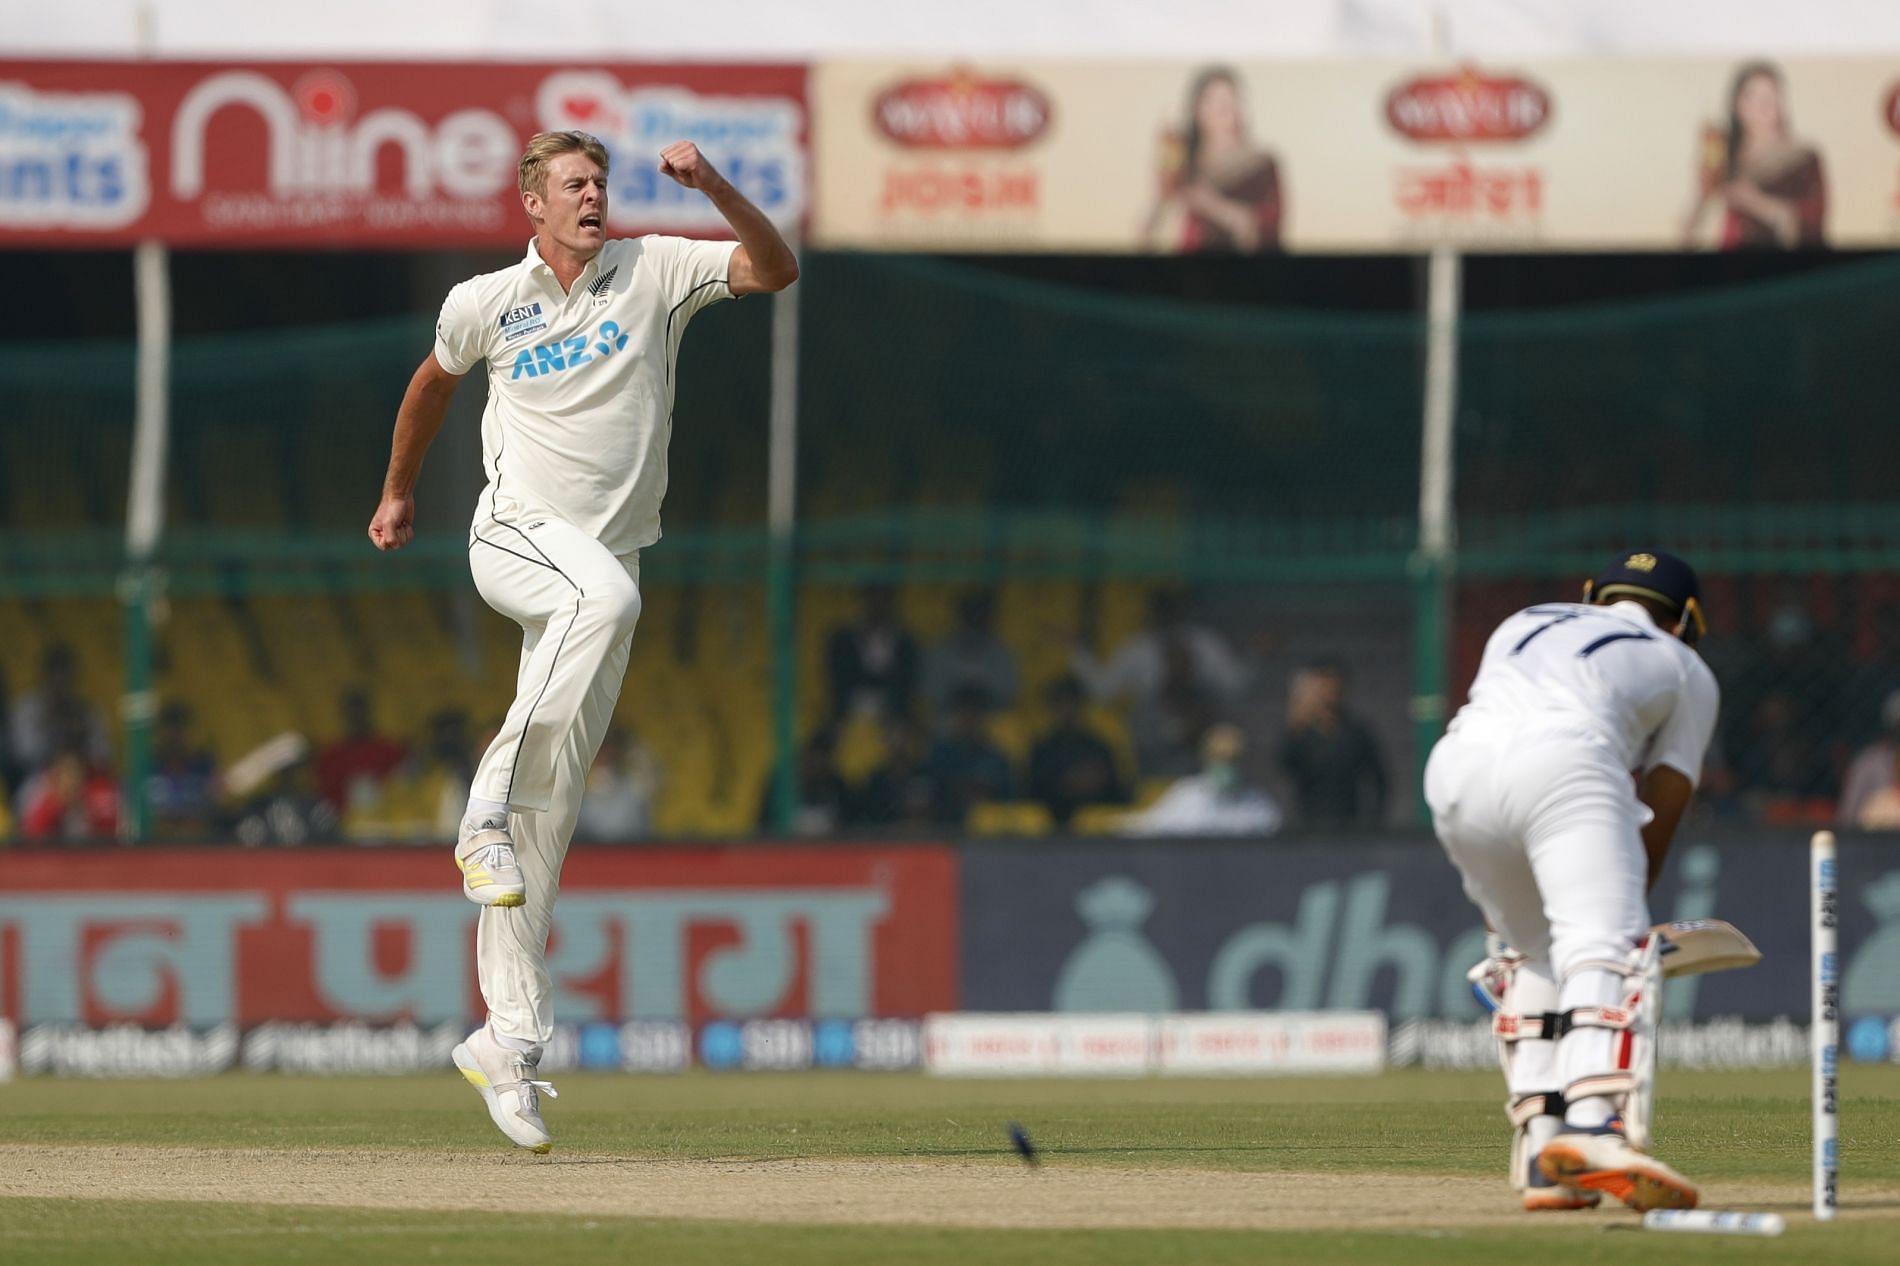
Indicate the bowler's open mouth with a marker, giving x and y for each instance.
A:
(591, 220)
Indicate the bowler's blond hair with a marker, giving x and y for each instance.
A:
(548, 146)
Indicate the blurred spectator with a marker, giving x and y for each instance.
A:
(1781, 685)
(1213, 802)
(351, 770)
(971, 656)
(1778, 757)
(1881, 809)
(1177, 677)
(1167, 729)
(1330, 755)
(1170, 647)
(276, 788)
(1070, 766)
(873, 662)
(965, 767)
(425, 800)
(10, 772)
(899, 792)
(182, 791)
(1872, 770)
(621, 789)
(824, 801)
(42, 713)
(71, 798)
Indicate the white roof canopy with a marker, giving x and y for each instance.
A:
(773, 30)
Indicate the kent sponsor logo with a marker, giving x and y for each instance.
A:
(554, 358)
(516, 322)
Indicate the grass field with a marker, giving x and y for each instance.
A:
(842, 1168)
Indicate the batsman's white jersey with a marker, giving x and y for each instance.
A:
(1533, 794)
(580, 402)
(1608, 672)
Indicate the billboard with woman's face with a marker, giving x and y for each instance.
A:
(1360, 157)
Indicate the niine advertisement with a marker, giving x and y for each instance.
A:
(370, 155)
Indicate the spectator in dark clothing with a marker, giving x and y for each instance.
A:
(901, 791)
(971, 655)
(1331, 757)
(281, 807)
(182, 791)
(352, 770)
(1070, 765)
(824, 802)
(10, 772)
(966, 768)
(1778, 757)
(873, 662)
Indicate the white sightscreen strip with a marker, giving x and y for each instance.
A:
(760, 30)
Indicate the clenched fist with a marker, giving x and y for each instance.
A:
(394, 524)
(683, 162)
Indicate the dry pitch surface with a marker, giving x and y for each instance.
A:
(830, 1192)
(842, 1168)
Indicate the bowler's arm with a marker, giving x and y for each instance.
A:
(763, 262)
(424, 405)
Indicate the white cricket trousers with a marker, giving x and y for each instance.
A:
(1546, 829)
(577, 604)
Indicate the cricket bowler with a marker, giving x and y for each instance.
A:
(581, 338)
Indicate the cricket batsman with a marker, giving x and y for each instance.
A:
(1556, 791)
(581, 337)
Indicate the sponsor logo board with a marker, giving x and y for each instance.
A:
(1131, 1045)
(355, 1048)
(372, 155)
(203, 938)
(1088, 927)
(1360, 156)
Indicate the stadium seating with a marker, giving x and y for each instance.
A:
(698, 685)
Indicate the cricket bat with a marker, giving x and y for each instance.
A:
(1693, 946)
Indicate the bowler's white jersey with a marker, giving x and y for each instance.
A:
(1608, 671)
(580, 385)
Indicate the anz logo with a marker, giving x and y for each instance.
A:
(552, 358)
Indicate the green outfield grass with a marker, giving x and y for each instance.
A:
(1738, 1128)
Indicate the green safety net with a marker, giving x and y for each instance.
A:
(1070, 450)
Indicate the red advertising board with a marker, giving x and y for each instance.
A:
(371, 154)
(206, 937)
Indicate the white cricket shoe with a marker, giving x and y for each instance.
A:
(1605, 1161)
(505, 1080)
(485, 855)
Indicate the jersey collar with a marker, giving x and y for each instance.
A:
(533, 262)
(1636, 611)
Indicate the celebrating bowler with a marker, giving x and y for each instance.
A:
(581, 338)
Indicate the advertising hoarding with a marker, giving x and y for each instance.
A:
(371, 155)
